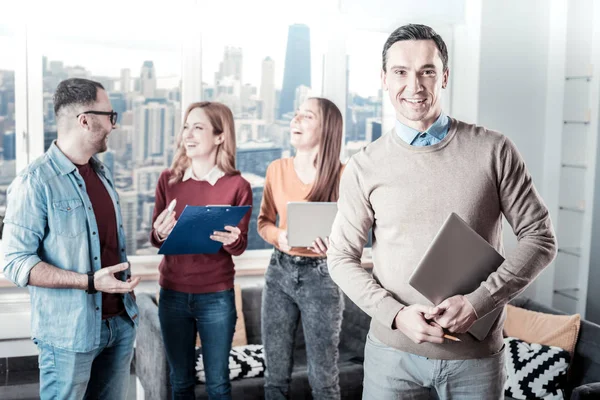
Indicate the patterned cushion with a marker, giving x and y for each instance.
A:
(535, 371)
(244, 362)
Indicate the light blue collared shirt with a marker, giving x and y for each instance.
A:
(49, 217)
(435, 134)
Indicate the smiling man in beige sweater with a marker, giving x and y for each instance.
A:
(404, 186)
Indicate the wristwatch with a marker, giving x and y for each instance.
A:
(91, 289)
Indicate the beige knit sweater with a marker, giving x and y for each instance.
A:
(405, 193)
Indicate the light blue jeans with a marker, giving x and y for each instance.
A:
(394, 374)
(99, 374)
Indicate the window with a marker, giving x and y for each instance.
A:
(262, 65)
(143, 80)
(7, 112)
(363, 122)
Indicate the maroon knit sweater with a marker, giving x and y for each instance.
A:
(201, 273)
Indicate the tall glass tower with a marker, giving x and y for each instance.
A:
(297, 66)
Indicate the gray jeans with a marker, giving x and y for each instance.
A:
(394, 374)
(301, 287)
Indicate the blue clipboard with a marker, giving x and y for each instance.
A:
(191, 234)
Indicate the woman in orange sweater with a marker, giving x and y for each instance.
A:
(297, 282)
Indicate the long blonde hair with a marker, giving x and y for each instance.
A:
(221, 120)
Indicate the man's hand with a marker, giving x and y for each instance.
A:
(227, 238)
(105, 281)
(456, 314)
(411, 321)
(282, 240)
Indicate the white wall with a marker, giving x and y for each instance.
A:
(512, 74)
(501, 82)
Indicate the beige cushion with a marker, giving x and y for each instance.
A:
(239, 337)
(547, 329)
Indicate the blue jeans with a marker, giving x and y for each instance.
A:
(213, 315)
(102, 373)
(394, 374)
(300, 288)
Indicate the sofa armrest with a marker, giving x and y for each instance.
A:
(150, 359)
(590, 391)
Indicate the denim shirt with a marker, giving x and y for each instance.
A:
(49, 217)
(434, 134)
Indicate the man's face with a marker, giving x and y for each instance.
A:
(415, 78)
(100, 126)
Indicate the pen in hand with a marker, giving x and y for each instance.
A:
(446, 336)
(450, 337)
(171, 208)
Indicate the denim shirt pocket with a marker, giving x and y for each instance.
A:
(69, 217)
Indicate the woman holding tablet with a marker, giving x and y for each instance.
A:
(297, 282)
(197, 289)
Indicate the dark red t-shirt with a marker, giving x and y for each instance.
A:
(106, 219)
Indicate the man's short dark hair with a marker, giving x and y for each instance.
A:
(416, 32)
(75, 91)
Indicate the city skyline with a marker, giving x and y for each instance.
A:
(149, 119)
(164, 49)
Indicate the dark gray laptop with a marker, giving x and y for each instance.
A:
(308, 220)
(456, 262)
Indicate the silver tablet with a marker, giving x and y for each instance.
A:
(308, 220)
(457, 261)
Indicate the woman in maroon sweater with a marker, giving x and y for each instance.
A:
(197, 289)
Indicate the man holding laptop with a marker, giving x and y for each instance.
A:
(404, 186)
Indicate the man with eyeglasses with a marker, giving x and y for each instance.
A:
(64, 240)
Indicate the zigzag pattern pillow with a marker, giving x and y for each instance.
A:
(244, 362)
(535, 371)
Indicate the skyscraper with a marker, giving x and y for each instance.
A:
(255, 242)
(9, 145)
(297, 66)
(125, 80)
(231, 64)
(302, 93)
(267, 89)
(154, 125)
(2, 130)
(148, 79)
(255, 157)
(247, 96)
(129, 211)
(118, 100)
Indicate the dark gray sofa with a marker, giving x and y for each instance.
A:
(153, 372)
(152, 369)
(584, 378)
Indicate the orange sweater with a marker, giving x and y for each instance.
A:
(282, 185)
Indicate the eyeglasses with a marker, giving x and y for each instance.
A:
(113, 115)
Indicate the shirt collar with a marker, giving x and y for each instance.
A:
(438, 129)
(211, 177)
(65, 166)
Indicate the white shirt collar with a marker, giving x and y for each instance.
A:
(211, 177)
